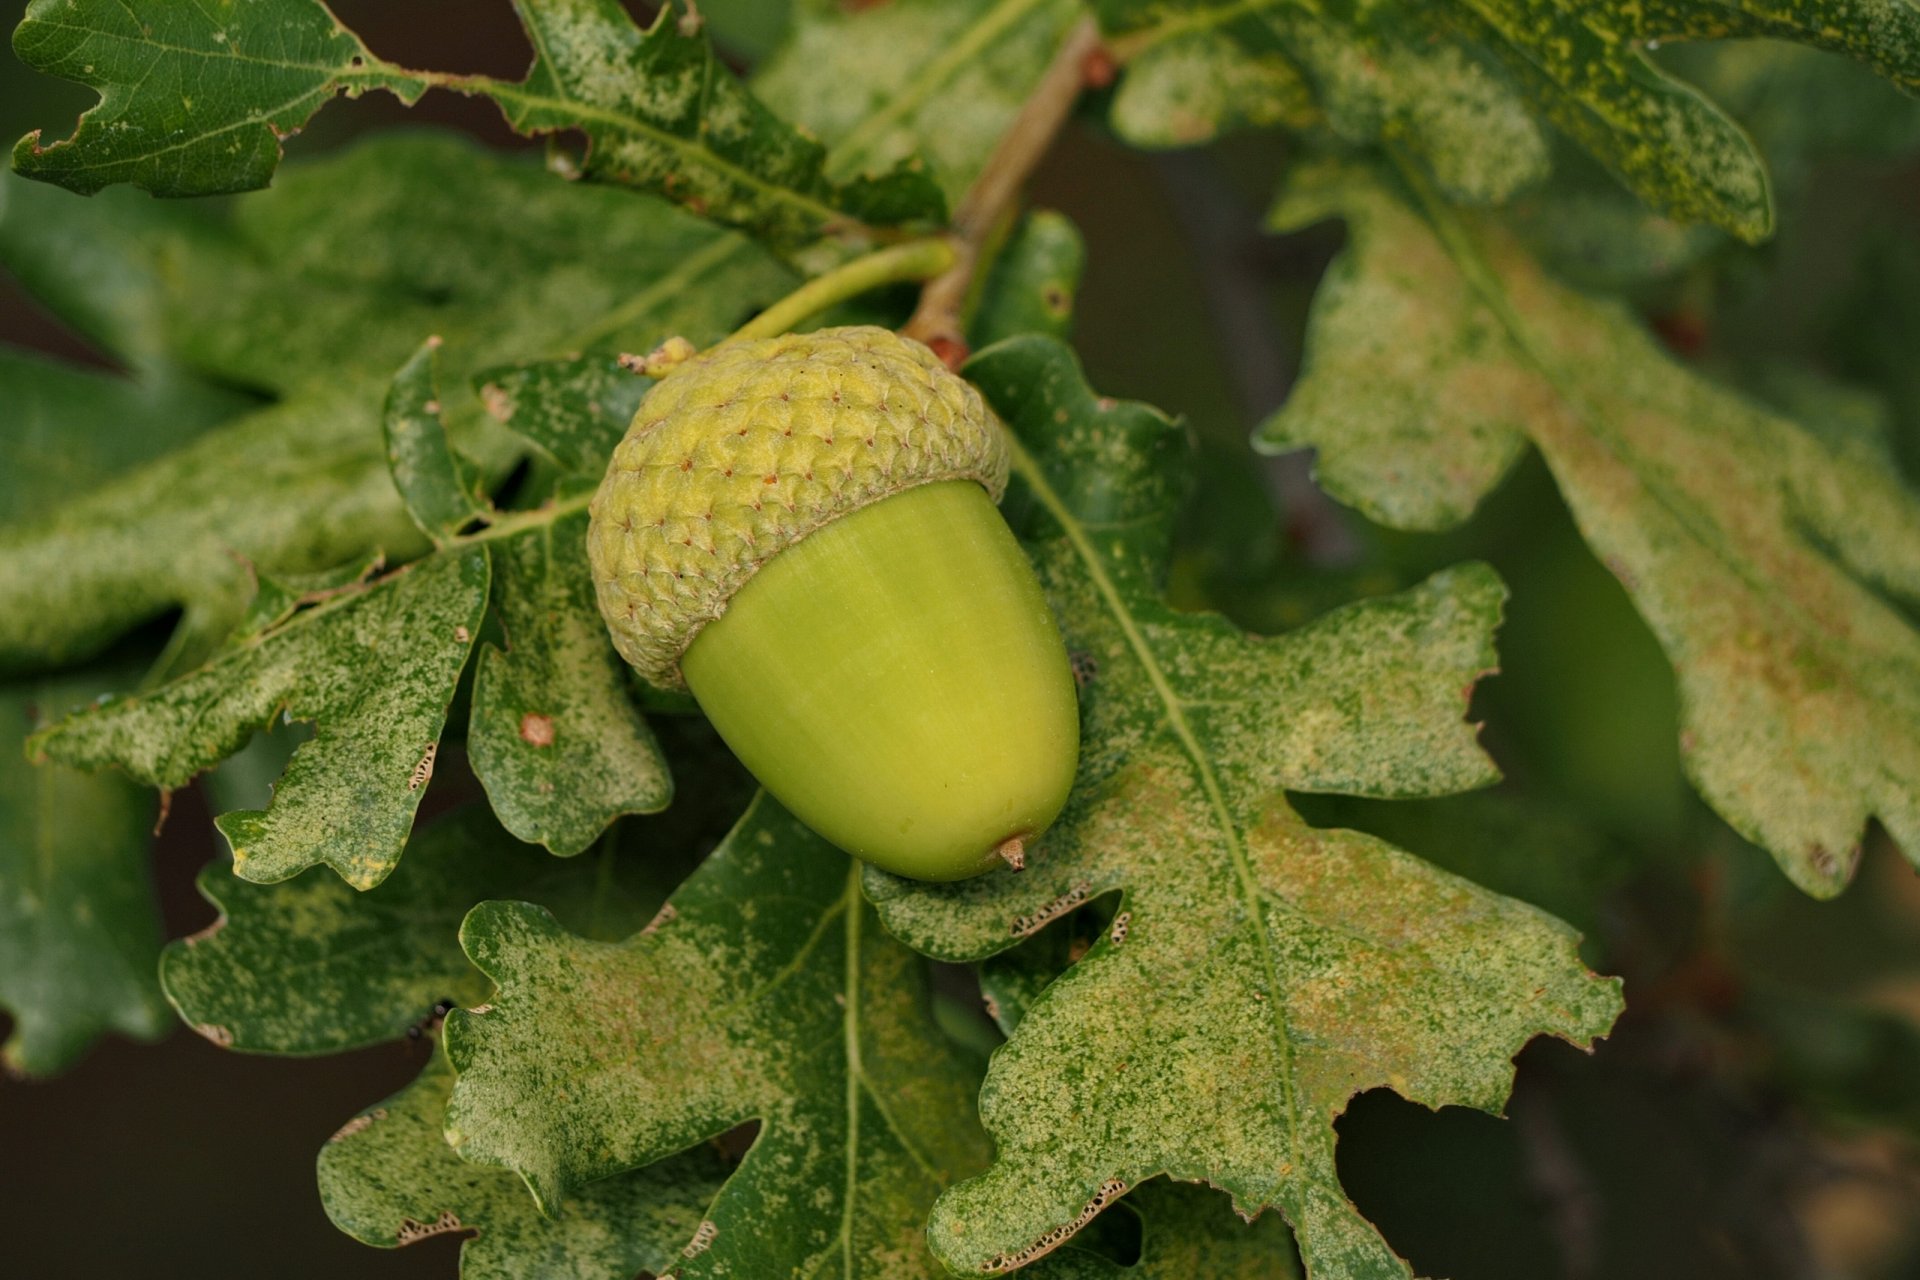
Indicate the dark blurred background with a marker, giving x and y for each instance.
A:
(1753, 1115)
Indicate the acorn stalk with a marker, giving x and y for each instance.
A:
(801, 530)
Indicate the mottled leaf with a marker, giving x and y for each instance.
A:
(277, 597)
(555, 739)
(574, 411)
(312, 966)
(309, 489)
(1258, 972)
(194, 98)
(373, 670)
(1766, 557)
(940, 79)
(432, 483)
(354, 260)
(661, 113)
(1190, 87)
(388, 1178)
(1504, 840)
(1417, 76)
(1033, 283)
(1186, 1232)
(78, 928)
(764, 991)
(358, 258)
(1375, 71)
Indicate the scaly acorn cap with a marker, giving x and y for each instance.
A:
(745, 449)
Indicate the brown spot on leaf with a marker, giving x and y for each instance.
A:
(536, 730)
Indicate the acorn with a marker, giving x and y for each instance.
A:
(801, 530)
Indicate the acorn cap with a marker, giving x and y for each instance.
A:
(743, 450)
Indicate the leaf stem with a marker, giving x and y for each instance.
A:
(913, 260)
(938, 319)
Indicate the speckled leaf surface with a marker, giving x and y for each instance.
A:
(433, 485)
(194, 98)
(388, 1178)
(554, 737)
(310, 490)
(574, 411)
(339, 258)
(763, 991)
(940, 79)
(78, 926)
(356, 259)
(1767, 558)
(1186, 1232)
(312, 966)
(1368, 71)
(661, 113)
(1420, 77)
(1258, 972)
(374, 670)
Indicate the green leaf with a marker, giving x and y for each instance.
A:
(1191, 87)
(299, 487)
(1033, 283)
(1415, 76)
(660, 113)
(1374, 72)
(432, 484)
(79, 934)
(291, 502)
(935, 78)
(194, 99)
(1765, 557)
(1186, 1232)
(555, 739)
(354, 260)
(763, 991)
(78, 928)
(69, 428)
(574, 411)
(388, 1178)
(278, 597)
(99, 263)
(374, 670)
(1504, 840)
(1259, 972)
(313, 966)
(320, 289)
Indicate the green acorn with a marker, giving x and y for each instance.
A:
(802, 531)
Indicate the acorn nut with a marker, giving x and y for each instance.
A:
(802, 531)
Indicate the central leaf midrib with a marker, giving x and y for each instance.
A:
(1251, 894)
(505, 91)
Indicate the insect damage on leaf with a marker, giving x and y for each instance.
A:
(1266, 971)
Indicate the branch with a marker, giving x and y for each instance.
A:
(938, 319)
